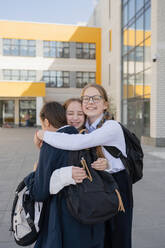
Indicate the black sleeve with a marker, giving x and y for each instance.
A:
(49, 159)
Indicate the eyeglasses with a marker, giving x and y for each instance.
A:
(95, 99)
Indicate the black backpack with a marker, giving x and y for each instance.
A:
(97, 198)
(26, 217)
(134, 160)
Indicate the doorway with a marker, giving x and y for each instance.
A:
(27, 113)
(6, 113)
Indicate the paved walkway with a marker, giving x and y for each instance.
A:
(18, 154)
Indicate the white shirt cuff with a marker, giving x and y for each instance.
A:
(60, 178)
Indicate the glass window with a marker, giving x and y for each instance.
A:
(147, 83)
(147, 19)
(139, 85)
(83, 78)
(6, 113)
(131, 86)
(139, 53)
(125, 15)
(139, 56)
(146, 115)
(136, 64)
(14, 47)
(131, 9)
(131, 37)
(56, 79)
(85, 50)
(140, 29)
(19, 75)
(27, 113)
(56, 49)
(147, 53)
(139, 4)
(124, 1)
(131, 64)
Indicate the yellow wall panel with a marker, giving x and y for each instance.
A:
(22, 89)
(138, 91)
(139, 37)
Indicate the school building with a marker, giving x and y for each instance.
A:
(133, 63)
(44, 62)
(122, 47)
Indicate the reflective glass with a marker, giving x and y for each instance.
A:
(92, 80)
(31, 42)
(92, 74)
(139, 4)
(147, 53)
(139, 85)
(147, 20)
(6, 50)
(131, 9)
(59, 82)
(147, 83)
(24, 75)
(66, 74)
(92, 45)
(6, 41)
(125, 41)
(131, 37)
(52, 52)
(79, 45)
(14, 51)
(66, 52)
(131, 86)
(131, 64)
(139, 60)
(139, 29)
(85, 46)
(146, 116)
(32, 51)
(92, 54)
(24, 43)
(79, 74)
(125, 15)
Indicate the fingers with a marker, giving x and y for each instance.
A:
(40, 134)
(78, 174)
(100, 164)
(37, 141)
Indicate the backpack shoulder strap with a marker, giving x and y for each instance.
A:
(115, 152)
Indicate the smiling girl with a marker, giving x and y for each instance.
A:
(104, 132)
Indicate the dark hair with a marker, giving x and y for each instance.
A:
(67, 102)
(54, 112)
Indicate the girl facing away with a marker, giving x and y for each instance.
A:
(59, 228)
(104, 132)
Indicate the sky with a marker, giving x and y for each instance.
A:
(47, 11)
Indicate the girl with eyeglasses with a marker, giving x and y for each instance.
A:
(101, 131)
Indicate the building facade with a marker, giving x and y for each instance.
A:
(44, 62)
(133, 56)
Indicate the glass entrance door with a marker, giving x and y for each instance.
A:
(6, 113)
(27, 113)
(136, 116)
